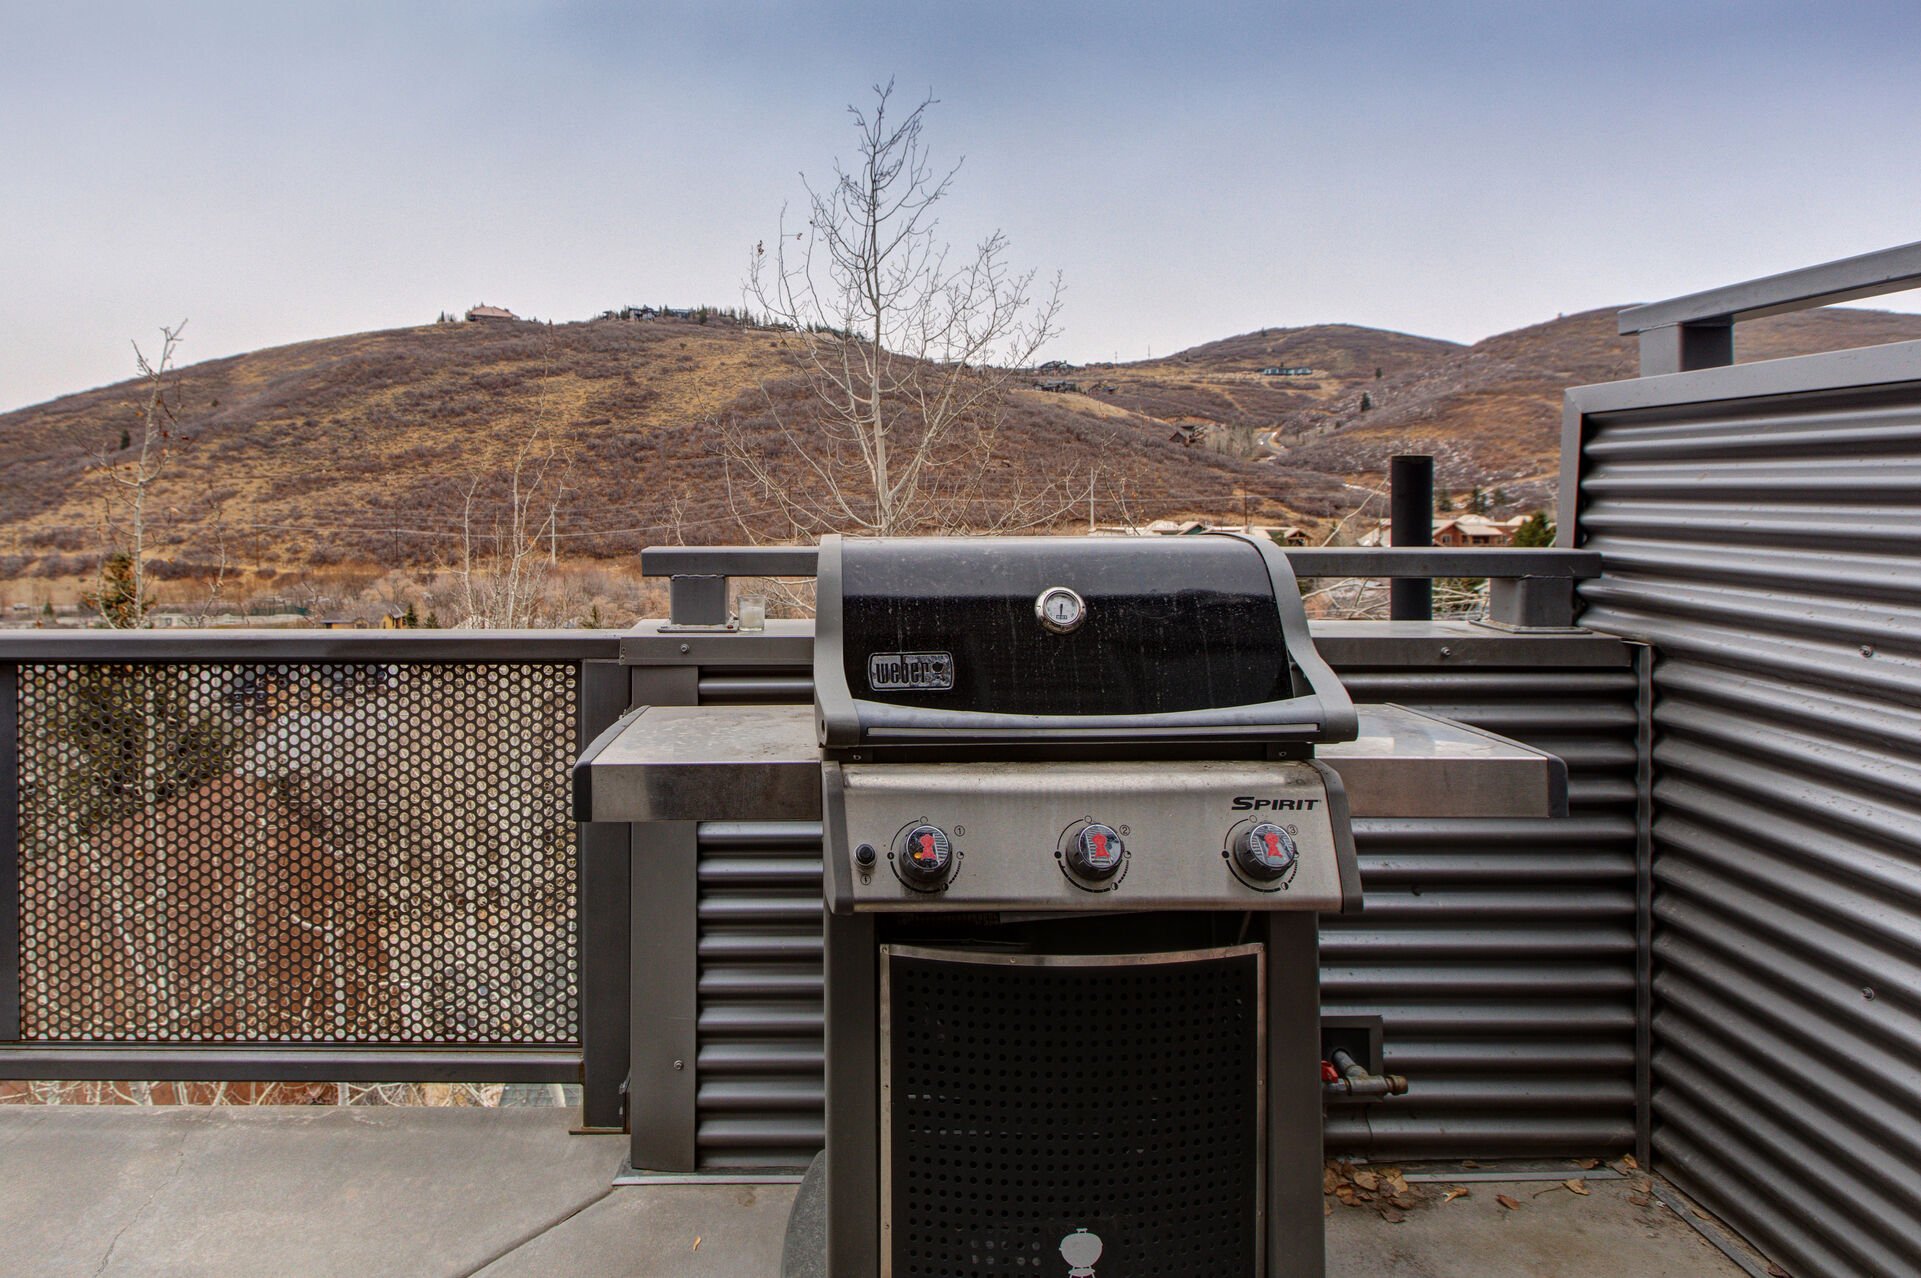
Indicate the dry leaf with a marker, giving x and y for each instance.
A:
(1588, 1164)
(1396, 1181)
(1639, 1200)
(1627, 1161)
(1330, 1179)
(1506, 1202)
(1346, 1194)
(1367, 1180)
(1392, 1215)
(696, 1242)
(1406, 1202)
(1459, 1191)
(1469, 1162)
(1775, 1271)
(1576, 1184)
(1330, 1208)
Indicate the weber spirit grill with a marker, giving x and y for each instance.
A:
(1081, 802)
(1075, 840)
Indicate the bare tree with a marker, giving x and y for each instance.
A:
(906, 351)
(123, 600)
(507, 561)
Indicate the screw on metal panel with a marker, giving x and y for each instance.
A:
(680, 1064)
(1867, 994)
(1867, 650)
(1447, 652)
(686, 647)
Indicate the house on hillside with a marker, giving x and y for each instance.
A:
(1455, 530)
(489, 313)
(1275, 370)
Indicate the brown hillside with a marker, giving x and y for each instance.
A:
(361, 449)
(1221, 381)
(1491, 413)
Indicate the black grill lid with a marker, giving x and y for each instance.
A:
(1161, 638)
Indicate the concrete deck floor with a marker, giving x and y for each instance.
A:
(509, 1193)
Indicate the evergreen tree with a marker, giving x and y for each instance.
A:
(1535, 531)
(410, 619)
(1367, 401)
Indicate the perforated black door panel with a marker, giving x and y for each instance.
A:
(1024, 1102)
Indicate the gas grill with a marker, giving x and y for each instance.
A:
(1075, 841)
(1081, 803)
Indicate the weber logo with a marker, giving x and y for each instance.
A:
(910, 671)
(1248, 803)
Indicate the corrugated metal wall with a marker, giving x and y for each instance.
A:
(759, 1057)
(1501, 954)
(1770, 549)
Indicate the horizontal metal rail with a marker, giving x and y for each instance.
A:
(1693, 332)
(1506, 562)
(195, 1063)
(308, 645)
(1532, 589)
(1869, 275)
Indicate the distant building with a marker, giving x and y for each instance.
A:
(1059, 387)
(1275, 370)
(489, 313)
(1458, 530)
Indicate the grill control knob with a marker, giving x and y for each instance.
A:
(1265, 852)
(1096, 852)
(925, 854)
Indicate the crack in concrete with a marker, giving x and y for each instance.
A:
(179, 1161)
(536, 1233)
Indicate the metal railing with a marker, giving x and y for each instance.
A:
(1528, 589)
(305, 855)
(1697, 331)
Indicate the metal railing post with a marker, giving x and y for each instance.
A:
(602, 942)
(1411, 511)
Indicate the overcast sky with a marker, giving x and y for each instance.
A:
(280, 172)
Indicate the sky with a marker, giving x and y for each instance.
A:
(273, 173)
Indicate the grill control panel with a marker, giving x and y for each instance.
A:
(1087, 836)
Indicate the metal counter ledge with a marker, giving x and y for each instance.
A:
(762, 763)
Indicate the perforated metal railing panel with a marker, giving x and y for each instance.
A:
(356, 853)
(1029, 1104)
